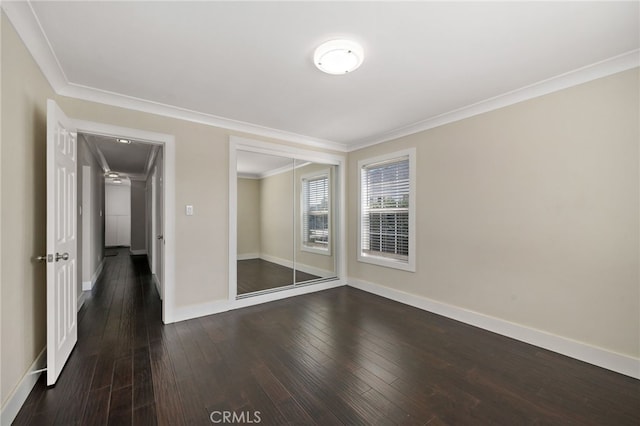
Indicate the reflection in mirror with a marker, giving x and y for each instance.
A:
(314, 230)
(265, 214)
(285, 214)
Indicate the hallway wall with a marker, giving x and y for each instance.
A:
(138, 218)
(91, 261)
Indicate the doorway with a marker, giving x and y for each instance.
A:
(118, 181)
(153, 236)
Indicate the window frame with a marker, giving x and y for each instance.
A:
(312, 176)
(406, 265)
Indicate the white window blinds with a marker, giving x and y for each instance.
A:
(385, 189)
(315, 212)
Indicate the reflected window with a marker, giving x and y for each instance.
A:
(315, 207)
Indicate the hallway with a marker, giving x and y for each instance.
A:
(334, 357)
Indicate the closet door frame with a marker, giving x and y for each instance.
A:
(236, 144)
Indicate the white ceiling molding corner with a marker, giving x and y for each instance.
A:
(24, 20)
(582, 75)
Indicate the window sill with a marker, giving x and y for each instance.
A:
(387, 262)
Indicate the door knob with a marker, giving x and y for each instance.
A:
(63, 256)
(160, 237)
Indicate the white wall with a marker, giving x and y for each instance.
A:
(91, 256)
(138, 217)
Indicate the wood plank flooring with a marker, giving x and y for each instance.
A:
(258, 274)
(335, 357)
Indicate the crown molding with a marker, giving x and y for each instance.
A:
(26, 23)
(585, 74)
(129, 102)
(28, 27)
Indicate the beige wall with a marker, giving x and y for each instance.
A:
(23, 177)
(248, 217)
(529, 214)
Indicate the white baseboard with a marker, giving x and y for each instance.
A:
(138, 252)
(218, 306)
(248, 256)
(619, 363)
(299, 266)
(154, 277)
(88, 285)
(21, 392)
(81, 300)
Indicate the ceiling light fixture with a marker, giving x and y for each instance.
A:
(117, 180)
(338, 57)
(112, 175)
(123, 140)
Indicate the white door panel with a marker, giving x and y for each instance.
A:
(62, 330)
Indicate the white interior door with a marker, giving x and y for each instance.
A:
(62, 325)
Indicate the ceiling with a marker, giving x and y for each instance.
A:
(132, 161)
(256, 165)
(248, 65)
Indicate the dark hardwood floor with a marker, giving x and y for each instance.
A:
(335, 357)
(258, 274)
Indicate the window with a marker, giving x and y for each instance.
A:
(315, 208)
(387, 210)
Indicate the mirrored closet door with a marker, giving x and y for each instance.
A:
(285, 231)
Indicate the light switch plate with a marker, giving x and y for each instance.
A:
(189, 210)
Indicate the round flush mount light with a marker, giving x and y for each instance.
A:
(125, 141)
(113, 175)
(338, 56)
(116, 180)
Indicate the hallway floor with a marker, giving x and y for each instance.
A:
(340, 356)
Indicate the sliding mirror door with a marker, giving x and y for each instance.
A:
(264, 217)
(285, 222)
